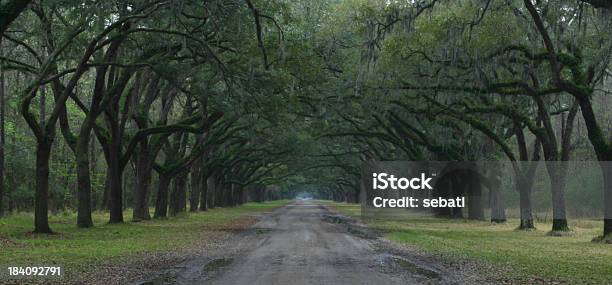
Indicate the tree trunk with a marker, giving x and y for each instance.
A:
(261, 197)
(460, 187)
(557, 172)
(194, 195)
(240, 196)
(12, 180)
(607, 177)
(219, 198)
(115, 192)
(603, 149)
(143, 181)
(237, 195)
(524, 177)
(83, 177)
(2, 137)
(177, 196)
(173, 202)
(161, 204)
(203, 192)
(474, 196)
(229, 196)
(106, 193)
(182, 192)
(41, 213)
(211, 191)
(496, 199)
(524, 188)
(93, 166)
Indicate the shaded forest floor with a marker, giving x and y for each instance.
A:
(133, 247)
(503, 254)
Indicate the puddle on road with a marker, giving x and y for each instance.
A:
(169, 277)
(336, 219)
(396, 263)
(362, 232)
(217, 264)
(261, 231)
(351, 226)
(413, 268)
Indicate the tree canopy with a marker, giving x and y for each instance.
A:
(108, 104)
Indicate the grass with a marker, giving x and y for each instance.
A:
(522, 255)
(73, 248)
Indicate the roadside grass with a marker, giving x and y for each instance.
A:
(521, 255)
(73, 248)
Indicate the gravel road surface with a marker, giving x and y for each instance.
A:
(305, 243)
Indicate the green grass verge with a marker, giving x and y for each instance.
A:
(521, 255)
(72, 247)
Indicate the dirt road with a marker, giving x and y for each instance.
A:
(303, 243)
